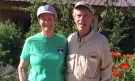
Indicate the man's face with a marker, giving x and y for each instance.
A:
(47, 22)
(83, 20)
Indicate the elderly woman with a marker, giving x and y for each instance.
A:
(44, 52)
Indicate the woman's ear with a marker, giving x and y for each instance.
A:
(73, 18)
(38, 19)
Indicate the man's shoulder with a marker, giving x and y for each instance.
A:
(73, 35)
(100, 36)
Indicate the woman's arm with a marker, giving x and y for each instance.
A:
(22, 69)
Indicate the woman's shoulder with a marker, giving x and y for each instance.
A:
(33, 37)
(60, 37)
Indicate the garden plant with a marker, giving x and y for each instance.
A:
(10, 44)
(123, 67)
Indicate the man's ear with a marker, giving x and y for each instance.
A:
(92, 18)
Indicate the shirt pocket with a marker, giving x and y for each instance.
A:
(91, 65)
(70, 62)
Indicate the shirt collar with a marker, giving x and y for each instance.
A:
(86, 37)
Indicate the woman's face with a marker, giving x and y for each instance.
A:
(47, 22)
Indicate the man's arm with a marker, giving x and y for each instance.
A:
(106, 63)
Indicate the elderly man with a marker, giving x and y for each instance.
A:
(89, 56)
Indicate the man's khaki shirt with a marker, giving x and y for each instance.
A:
(89, 58)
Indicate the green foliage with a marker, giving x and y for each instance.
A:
(64, 23)
(32, 8)
(35, 28)
(116, 26)
(10, 44)
(128, 43)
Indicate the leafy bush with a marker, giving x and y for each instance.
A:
(35, 28)
(118, 28)
(64, 23)
(10, 44)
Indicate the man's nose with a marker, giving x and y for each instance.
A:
(82, 18)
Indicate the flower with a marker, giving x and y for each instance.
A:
(128, 56)
(124, 66)
(120, 76)
(113, 67)
(117, 74)
(115, 54)
(112, 53)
